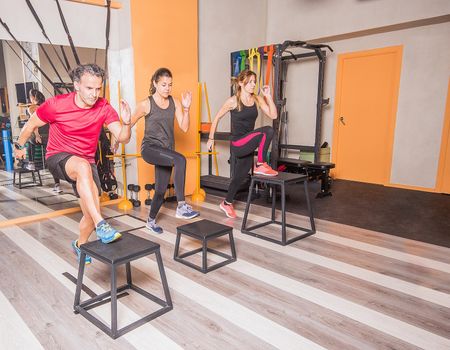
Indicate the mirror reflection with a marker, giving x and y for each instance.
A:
(24, 85)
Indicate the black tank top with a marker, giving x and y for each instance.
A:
(243, 121)
(159, 125)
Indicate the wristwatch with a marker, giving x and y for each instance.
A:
(18, 146)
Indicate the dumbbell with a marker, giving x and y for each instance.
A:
(148, 188)
(132, 198)
(169, 197)
(113, 195)
(136, 190)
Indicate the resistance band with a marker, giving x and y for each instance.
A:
(269, 51)
(108, 24)
(38, 20)
(243, 58)
(260, 73)
(30, 70)
(252, 54)
(28, 55)
(72, 46)
(65, 57)
(53, 66)
(236, 59)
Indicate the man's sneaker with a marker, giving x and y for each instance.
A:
(77, 251)
(185, 211)
(57, 188)
(153, 227)
(228, 209)
(28, 165)
(106, 233)
(264, 169)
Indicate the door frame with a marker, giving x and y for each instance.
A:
(398, 52)
(445, 140)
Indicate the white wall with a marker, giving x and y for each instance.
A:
(310, 19)
(426, 63)
(224, 27)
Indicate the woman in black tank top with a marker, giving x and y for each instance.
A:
(245, 139)
(160, 110)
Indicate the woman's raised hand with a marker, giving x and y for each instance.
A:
(266, 91)
(186, 99)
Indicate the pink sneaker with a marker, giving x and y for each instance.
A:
(264, 169)
(228, 209)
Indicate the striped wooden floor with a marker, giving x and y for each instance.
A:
(343, 288)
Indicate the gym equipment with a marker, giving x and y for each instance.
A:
(204, 231)
(66, 29)
(25, 166)
(200, 194)
(148, 188)
(29, 57)
(6, 137)
(136, 190)
(127, 249)
(113, 195)
(169, 195)
(124, 204)
(170, 190)
(130, 189)
(280, 180)
(278, 56)
(134, 195)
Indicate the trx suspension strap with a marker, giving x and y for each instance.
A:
(243, 58)
(28, 55)
(252, 53)
(30, 70)
(51, 64)
(72, 46)
(108, 22)
(36, 17)
(65, 57)
(236, 60)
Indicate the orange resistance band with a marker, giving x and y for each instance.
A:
(269, 51)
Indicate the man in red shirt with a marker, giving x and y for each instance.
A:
(76, 120)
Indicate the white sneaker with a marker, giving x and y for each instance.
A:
(57, 189)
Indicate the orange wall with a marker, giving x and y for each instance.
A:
(164, 34)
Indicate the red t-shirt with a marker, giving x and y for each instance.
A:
(73, 129)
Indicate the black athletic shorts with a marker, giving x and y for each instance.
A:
(57, 166)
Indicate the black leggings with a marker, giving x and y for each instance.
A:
(243, 149)
(164, 159)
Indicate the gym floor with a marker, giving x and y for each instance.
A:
(344, 287)
(421, 216)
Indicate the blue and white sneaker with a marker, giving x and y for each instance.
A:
(77, 251)
(106, 233)
(153, 227)
(185, 211)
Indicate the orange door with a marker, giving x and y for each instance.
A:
(367, 86)
(443, 180)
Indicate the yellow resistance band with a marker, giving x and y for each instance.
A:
(252, 53)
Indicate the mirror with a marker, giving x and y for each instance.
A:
(21, 181)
